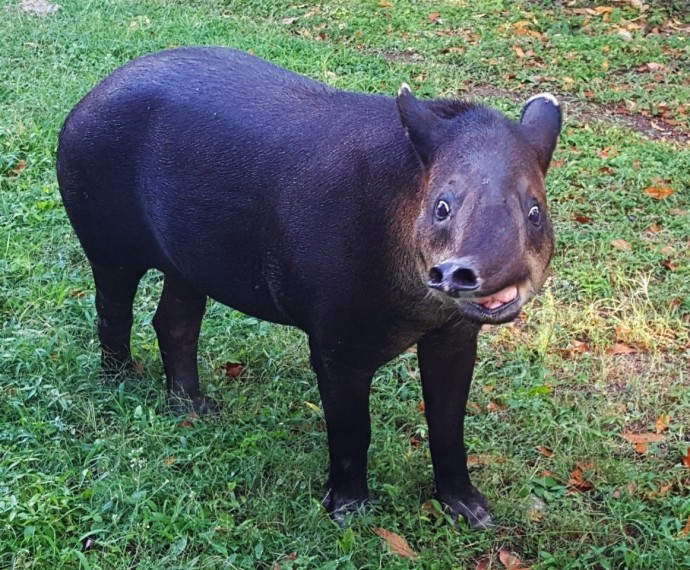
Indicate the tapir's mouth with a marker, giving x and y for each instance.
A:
(499, 300)
(499, 307)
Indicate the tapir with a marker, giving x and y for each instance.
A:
(372, 223)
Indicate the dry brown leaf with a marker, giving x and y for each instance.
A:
(421, 407)
(474, 408)
(662, 423)
(170, 460)
(686, 458)
(622, 348)
(621, 245)
(434, 16)
(18, 168)
(659, 192)
(577, 480)
(495, 406)
(483, 564)
(643, 437)
(396, 543)
(233, 369)
(641, 447)
(510, 560)
(519, 52)
(545, 451)
(579, 218)
(481, 459)
(686, 528)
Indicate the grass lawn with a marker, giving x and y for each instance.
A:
(579, 420)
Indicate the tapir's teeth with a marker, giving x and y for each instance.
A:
(494, 301)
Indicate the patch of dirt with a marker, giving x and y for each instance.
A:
(653, 128)
(406, 56)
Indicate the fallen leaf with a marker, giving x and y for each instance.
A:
(641, 447)
(434, 16)
(385, 4)
(519, 52)
(288, 21)
(652, 66)
(582, 219)
(577, 480)
(495, 406)
(233, 369)
(510, 560)
(170, 460)
(677, 212)
(545, 451)
(483, 564)
(289, 558)
(643, 437)
(621, 245)
(474, 408)
(654, 228)
(668, 264)
(686, 458)
(662, 423)
(421, 406)
(397, 544)
(481, 459)
(659, 192)
(621, 348)
(686, 528)
(18, 168)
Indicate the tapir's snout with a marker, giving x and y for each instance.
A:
(490, 298)
(454, 277)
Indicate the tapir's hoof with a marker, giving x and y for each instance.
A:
(339, 506)
(473, 507)
(200, 405)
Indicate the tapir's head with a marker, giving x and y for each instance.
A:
(484, 235)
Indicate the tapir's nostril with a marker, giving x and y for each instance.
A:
(435, 275)
(453, 276)
(465, 278)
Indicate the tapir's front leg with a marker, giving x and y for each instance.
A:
(345, 397)
(446, 361)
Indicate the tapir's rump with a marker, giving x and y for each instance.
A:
(370, 222)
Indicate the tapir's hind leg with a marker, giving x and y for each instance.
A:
(177, 322)
(115, 291)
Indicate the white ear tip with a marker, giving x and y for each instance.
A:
(548, 96)
(404, 88)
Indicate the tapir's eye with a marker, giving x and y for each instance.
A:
(442, 210)
(534, 215)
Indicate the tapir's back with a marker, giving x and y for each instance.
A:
(213, 163)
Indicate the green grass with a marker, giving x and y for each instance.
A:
(97, 474)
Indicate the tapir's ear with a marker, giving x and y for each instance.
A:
(421, 123)
(542, 118)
